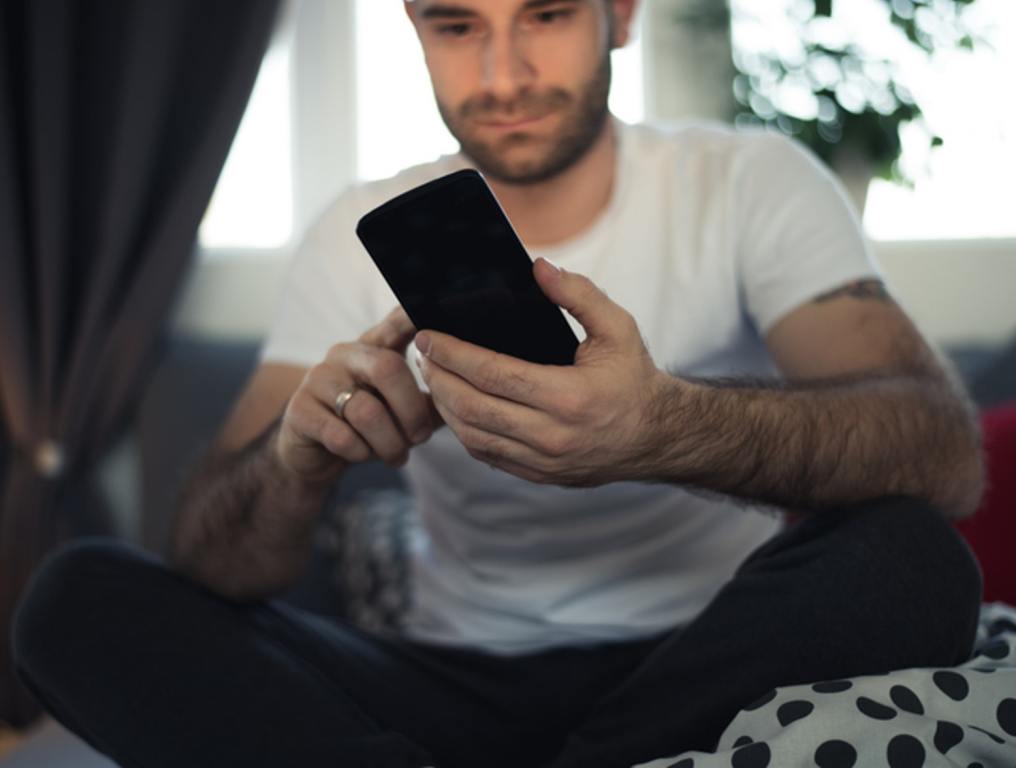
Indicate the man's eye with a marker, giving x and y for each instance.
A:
(552, 15)
(460, 29)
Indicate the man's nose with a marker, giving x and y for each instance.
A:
(506, 66)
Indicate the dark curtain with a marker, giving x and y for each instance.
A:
(116, 117)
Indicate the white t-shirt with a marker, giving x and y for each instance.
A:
(709, 238)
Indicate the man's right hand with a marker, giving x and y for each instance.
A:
(386, 416)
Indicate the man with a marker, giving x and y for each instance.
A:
(593, 586)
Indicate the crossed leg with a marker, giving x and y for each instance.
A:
(861, 590)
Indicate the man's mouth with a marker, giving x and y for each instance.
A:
(505, 124)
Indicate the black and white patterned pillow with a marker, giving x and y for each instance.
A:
(913, 718)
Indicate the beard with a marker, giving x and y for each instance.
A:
(584, 116)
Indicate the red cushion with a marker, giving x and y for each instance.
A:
(991, 531)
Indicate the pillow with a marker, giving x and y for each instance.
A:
(923, 717)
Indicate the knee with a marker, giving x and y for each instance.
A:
(72, 601)
(915, 559)
(917, 538)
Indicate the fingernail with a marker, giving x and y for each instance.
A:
(555, 267)
(423, 343)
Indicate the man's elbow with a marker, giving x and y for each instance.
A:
(961, 483)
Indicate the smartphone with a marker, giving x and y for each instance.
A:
(454, 262)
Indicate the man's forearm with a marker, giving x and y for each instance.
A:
(812, 445)
(244, 525)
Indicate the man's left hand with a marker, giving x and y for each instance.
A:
(585, 424)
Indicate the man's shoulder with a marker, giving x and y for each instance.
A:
(677, 130)
(702, 138)
(713, 158)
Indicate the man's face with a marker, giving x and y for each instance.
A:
(521, 84)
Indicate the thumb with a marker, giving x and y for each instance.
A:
(582, 299)
(394, 332)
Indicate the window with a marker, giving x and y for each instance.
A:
(398, 124)
(962, 189)
(252, 206)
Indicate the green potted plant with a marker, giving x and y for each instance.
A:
(835, 95)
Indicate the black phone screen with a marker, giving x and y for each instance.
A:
(454, 262)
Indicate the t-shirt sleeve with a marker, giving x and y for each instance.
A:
(332, 292)
(798, 235)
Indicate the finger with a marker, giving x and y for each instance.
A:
(582, 299)
(319, 424)
(524, 471)
(394, 332)
(387, 373)
(495, 373)
(488, 447)
(479, 409)
(374, 423)
(436, 420)
(344, 441)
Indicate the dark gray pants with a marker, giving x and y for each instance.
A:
(154, 670)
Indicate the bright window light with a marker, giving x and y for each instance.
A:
(252, 206)
(398, 124)
(962, 189)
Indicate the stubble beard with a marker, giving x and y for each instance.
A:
(585, 116)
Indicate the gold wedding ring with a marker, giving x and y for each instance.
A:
(341, 399)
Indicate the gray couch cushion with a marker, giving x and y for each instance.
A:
(188, 398)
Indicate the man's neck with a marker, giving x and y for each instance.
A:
(560, 208)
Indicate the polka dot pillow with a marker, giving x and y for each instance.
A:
(962, 716)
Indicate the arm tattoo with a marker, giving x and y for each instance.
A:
(859, 289)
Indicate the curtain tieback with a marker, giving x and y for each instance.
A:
(49, 459)
(46, 456)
